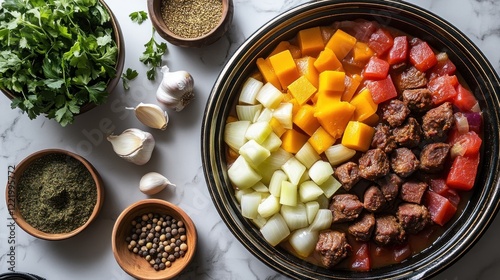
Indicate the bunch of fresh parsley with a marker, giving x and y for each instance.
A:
(56, 55)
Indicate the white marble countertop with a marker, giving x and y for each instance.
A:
(177, 155)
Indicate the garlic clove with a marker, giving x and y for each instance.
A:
(151, 115)
(176, 89)
(133, 145)
(153, 182)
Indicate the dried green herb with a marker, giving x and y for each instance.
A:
(56, 194)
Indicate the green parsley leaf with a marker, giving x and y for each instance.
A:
(152, 56)
(127, 76)
(139, 16)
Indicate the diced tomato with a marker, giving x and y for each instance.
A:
(399, 51)
(467, 144)
(421, 55)
(380, 41)
(444, 66)
(376, 69)
(361, 260)
(463, 172)
(439, 186)
(464, 99)
(440, 208)
(442, 88)
(382, 90)
(363, 30)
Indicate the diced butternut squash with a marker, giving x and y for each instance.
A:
(306, 120)
(292, 140)
(311, 41)
(277, 127)
(282, 46)
(334, 117)
(322, 98)
(285, 68)
(332, 81)
(301, 89)
(361, 52)
(358, 136)
(341, 43)
(305, 65)
(268, 73)
(365, 107)
(321, 140)
(327, 60)
(351, 85)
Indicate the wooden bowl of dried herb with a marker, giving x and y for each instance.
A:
(153, 239)
(196, 23)
(54, 194)
(67, 69)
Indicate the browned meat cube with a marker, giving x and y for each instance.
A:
(413, 191)
(383, 138)
(433, 157)
(373, 164)
(388, 231)
(347, 174)
(411, 78)
(418, 100)
(413, 217)
(408, 134)
(389, 185)
(333, 247)
(394, 112)
(345, 207)
(404, 162)
(437, 122)
(374, 199)
(362, 229)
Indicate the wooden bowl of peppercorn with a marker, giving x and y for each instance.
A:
(153, 239)
(54, 194)
(195, 24)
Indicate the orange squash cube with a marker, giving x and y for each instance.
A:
(351, 85)
(365, 107)
(305, 119)
(332, 81)
(327, 60)
(311, 41)
(301, 89)
(305, 65)
(341, 43)
(321, 140)
(268, 72)
(334, 117)
(285, 68)
(358, 136)
(292, 140)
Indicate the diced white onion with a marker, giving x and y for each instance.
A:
(312, 208)
(269, 96)
(288, 194)
(275, 230)
(338, 154)
(242, 175)
(320, 171)
(258, 131)
(272, 142)
(303, 241)
(330, 186)
(239, 193)
(323, 220)
(273, 163)
(259, 221)
(260, 187)
(249, 204)
(275, 184)
(309, 191)
(462, 123)
(295, 216)
(283, 113)
(294, 170)
(307, 155)
(249, 91)
(248, 112)
(234, 134)
(265, 115)
(269, 206)
(254, 153)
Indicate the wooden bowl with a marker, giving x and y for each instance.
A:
(13, 205)
(155, 15)
(118, 36)
(137, 266)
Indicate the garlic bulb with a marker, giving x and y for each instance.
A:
(176, 89)
(153, 182)
(151, 115)
(133, 145)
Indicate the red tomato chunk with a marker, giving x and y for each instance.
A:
(399, 50)
(376, 69)
(463, 172)
(361, 260)
(422, 56)
(382, 90)
(380, 41)
(442, 88)
(464, 99)
(440, 208)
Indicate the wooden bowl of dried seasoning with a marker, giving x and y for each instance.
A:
(54, 194)
(153, 239)
(191, 23)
